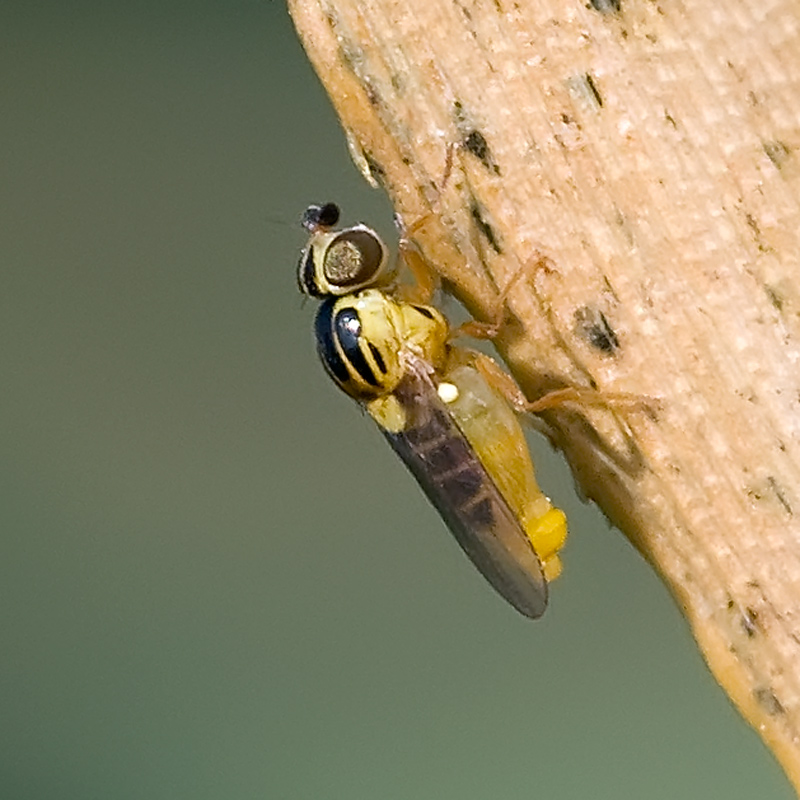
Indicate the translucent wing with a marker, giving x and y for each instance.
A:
(446, 467)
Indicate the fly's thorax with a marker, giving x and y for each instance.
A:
(359, 343)
(424, 331)
(366, 339)
(342, 262)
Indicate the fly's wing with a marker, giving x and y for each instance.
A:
(446, 467)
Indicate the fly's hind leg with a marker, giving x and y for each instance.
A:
(500, 380)
(546, 526)
(503, 383)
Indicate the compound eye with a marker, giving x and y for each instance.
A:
(354, 259)
(319, 217)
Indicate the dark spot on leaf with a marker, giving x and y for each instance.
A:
(593, 326)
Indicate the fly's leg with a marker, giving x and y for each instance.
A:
(546, 526)
(426, 279)
(500, 380)
(491, 328)
(503, 383)
(590, 397)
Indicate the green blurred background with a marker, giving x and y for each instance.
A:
(216, 581)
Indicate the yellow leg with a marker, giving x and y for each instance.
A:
(503, 383)
(590, 397)
(426, 281)
(491, 328)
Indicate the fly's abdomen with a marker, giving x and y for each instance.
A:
(494, 433)
(459, 486)
(452, 466)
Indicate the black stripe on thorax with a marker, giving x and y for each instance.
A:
(347, 329)
(326, 344)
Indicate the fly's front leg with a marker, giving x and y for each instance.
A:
(426, 278)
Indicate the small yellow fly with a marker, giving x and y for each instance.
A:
(458, 435)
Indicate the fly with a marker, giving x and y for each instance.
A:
(456, 433)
